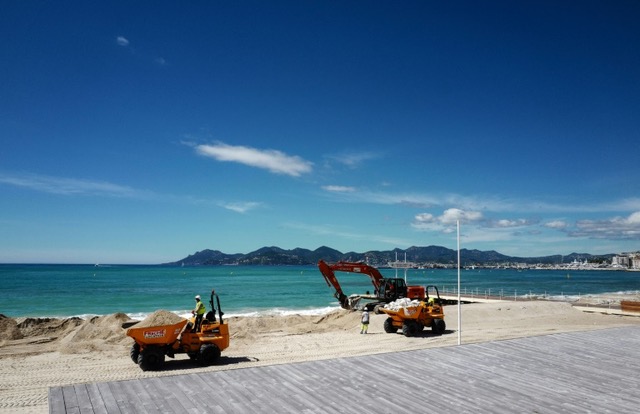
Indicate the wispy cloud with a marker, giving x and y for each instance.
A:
(510, 223)
(69, 186)
(273, 161)
(615, 228)
(340, 233)
(556, 224)
(338, 188)
(241, 207)
(122, 41)
(446, 221)
(353, 160)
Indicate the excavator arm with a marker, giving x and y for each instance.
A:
(330, 278)
(328, 271)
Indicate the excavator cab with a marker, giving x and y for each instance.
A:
(392, 289)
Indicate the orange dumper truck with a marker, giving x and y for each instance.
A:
(414, 318)
(153, 343)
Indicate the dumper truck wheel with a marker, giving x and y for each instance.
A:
(209, 354)
(438, 326)
(134, 352)
(388, 326)
(151, 358)
(409, 328)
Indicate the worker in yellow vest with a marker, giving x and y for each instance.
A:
(198, 312)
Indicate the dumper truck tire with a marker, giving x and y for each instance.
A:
(151, 358)
(438, 326)
(409, 328)
(209, 354)
(388, 326)
(134, 352)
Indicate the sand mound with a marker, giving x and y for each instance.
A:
(48, 326)
(9, 329)
(95, 334)
(159, 318)
(248, 327)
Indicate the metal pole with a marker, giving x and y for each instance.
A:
(459, 304)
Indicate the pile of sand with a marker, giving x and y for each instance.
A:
(75, 335)
(159, 318)
(94, 334)
(247, 328)
(9, 329)
(50, 327)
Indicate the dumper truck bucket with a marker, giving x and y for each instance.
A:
(157, 335)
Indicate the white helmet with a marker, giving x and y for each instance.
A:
(197, 296)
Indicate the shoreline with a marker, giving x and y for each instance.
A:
(69, 351)
(596, 299)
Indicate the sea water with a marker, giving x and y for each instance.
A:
(87, 290)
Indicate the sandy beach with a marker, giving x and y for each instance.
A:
(36, 354)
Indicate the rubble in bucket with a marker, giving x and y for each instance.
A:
(401, 303)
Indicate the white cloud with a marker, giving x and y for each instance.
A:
(506, 223)
(338, 188)
(616, 228)
(445, 222)
(122, 41)
(634, 218)
(450, 216)
(340, 233)
(424, 218)
(353, 160)
(557, 224)
(273, 161)
(241, 207)
(68, 186)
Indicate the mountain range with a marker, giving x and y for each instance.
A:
(429, 255)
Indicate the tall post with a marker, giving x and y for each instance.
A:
(459, 304)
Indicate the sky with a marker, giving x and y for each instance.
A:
(142, 132)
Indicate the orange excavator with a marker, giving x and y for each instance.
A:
(385, 289)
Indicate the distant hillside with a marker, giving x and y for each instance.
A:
(422, 255)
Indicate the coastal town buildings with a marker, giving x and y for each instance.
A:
(629, 261)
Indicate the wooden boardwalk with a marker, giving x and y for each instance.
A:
(583, 372)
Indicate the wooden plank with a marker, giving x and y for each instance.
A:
(84, 400)
(56, 400)
(125, 404)
(261, 395)
(236, 383)
(97, 403)
(167, 400)
(192, 389)
(108, 398)
(70, 399)
(148, 401)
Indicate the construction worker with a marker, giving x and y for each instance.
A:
(198, 312)
(365, 321)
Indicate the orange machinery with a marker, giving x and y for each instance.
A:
(385, 289)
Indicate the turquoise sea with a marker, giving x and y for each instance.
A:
(86, 290)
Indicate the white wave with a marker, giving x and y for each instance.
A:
(138, 316)
(282, 312)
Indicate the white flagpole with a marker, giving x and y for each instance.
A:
(459, 305)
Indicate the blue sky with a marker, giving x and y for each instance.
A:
(141, 132)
